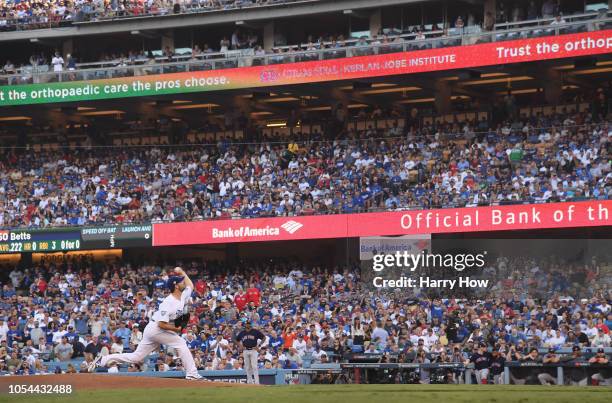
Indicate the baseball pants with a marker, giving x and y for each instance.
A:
(547, 379)
(482, 375)
(599, 378)
(582, 382)
(250, 365)
(152, 338)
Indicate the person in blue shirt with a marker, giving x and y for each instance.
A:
(275, 341)
(124, 333)
(437, 311)
(71, 334)
(14, 334)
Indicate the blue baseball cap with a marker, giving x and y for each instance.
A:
(173, 281)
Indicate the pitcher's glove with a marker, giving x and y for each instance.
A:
(182, 321)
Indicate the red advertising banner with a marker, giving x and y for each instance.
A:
(418, 61)
(500, 218)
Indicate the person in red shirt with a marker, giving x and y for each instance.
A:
(200, 286)
(253, 295)
(240, 300)
(42, 285)
(288, 337)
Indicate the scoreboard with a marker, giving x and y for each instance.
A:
(69, 239)
(39, 241)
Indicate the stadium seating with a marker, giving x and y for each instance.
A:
(548, 154)
(324, 320)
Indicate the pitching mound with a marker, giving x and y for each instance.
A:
(92, 381)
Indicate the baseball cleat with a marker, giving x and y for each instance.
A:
(196, 377)
(94, 364)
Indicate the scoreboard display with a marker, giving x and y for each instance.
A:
(72, 239)
(39, 241)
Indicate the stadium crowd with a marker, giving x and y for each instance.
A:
(68, 312)
(42, 14)
(536, 160)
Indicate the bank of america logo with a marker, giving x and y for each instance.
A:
(291, 226)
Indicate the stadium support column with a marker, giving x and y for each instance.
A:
(268, 35)
(375, 22)
(553, 87)
(167, 39)
(443, 96)
(232, 254)
(67, 47)
(490, 9)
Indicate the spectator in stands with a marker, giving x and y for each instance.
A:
(64, 350)
(58, 63)
(558, 20)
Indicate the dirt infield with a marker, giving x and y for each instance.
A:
(92, 381)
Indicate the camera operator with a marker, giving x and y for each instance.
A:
(457, 357)
(424, 373)
(442, 375)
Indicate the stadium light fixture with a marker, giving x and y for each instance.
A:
(490, 75)
(374, 85)
(284, 99)
(390, 90)
(196, 106)
(103, 113)
(14, 118)
(591, 71)
(276, 124)
(417, 101)
(518, 92)
(317, 109)
(498, 80)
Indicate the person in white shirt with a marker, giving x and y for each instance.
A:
(57, 62)
(161, 329)
(219, 346)
(558, 20)
(601, 339)
(300, 344)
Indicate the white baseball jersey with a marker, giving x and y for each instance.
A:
(171, 308)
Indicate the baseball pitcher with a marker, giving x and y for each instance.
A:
(164, 328)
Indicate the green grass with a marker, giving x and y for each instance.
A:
(336, 394)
